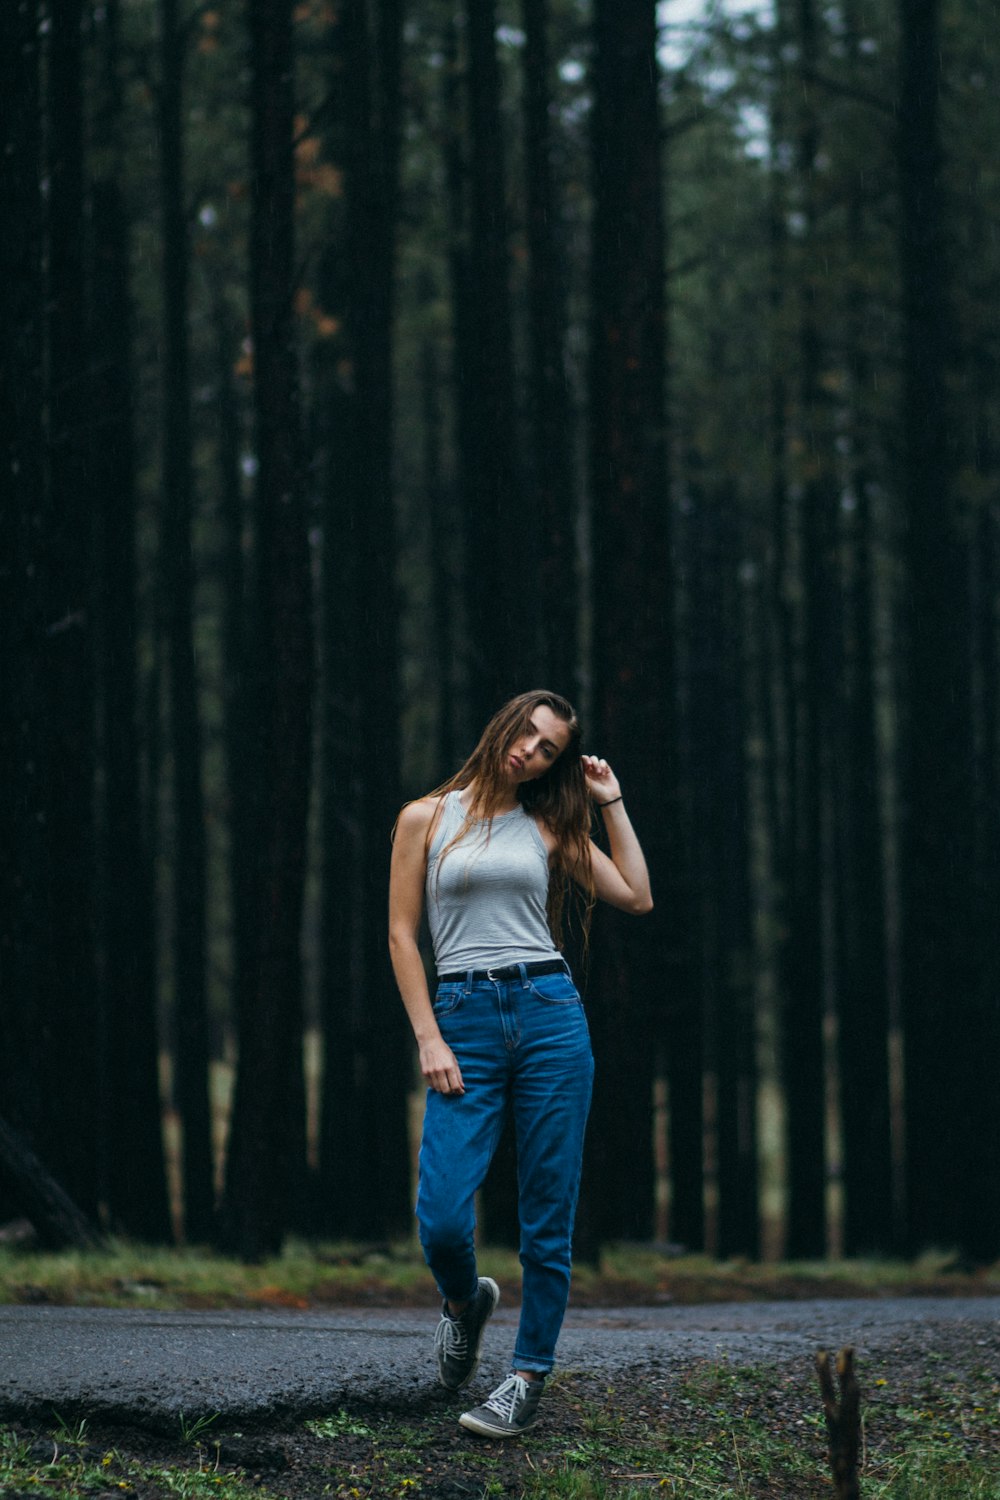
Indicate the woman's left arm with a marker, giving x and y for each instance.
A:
(623, 879)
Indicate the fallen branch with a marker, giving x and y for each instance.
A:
(843, 1421)
(56, 1218)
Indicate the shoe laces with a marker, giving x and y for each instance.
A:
(508, 1396)
(452, 1338)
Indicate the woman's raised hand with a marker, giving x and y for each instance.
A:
(602, 783)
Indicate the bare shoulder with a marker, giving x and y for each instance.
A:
(417, 817)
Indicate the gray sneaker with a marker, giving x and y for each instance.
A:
(458, 1340)
(511, 1410)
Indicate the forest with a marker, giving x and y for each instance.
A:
(366, 363)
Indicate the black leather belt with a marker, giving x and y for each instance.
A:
(509, 971)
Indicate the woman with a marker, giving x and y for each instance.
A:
(492, 854)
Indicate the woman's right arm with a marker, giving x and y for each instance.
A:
(406, 903)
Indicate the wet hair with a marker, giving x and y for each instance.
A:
(559, 797)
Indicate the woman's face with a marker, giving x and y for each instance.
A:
(537, 747)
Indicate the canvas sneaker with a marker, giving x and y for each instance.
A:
(511, 1410)
(458, 1339)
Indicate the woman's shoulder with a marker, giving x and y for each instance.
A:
(417, 816)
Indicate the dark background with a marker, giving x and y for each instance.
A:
(364, 364)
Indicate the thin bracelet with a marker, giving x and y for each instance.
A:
(612, 801)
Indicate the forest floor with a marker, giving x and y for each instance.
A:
(728, 1424)
(704, 1429)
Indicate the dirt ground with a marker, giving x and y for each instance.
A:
(730, 1428)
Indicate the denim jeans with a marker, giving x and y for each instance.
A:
(521, 1043)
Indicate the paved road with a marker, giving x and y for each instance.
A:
(266, 1367)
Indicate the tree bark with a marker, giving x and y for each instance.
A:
(135, 1173)
(554, 486)
(67, 1133)
(501, 547)
(189, 853)
(951, 1012)
(265, 1170)
(23, 735)
(632, 634)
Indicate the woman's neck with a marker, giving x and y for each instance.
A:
(508, 802)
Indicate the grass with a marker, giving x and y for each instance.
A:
(717, 1431)
(316, 1276)
(712, 1431)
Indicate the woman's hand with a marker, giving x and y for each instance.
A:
(602, 783)
(440, 1068)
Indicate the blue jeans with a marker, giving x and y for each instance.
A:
(524, 1041)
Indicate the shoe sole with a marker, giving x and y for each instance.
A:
(495, 1294)
(472, 1423)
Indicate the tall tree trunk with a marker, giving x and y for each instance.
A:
(371, 185)
(952, 1027)
(265, 1170)
(190, 859)
(135, 1174)
(807, 873)
(368, 1065)
(633, 645)
(69, 1027)
(863, 979)
(552, 447)
(22, 575)
(501, 548)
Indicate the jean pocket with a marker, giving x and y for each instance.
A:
(447, 998)
(554, 989)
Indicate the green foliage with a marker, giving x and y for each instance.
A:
(194, 1428)
(340, 1425)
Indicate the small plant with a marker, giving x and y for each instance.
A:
(192, 1432)
(342, 1424)
(67, 1433)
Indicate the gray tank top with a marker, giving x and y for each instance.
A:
(486, 900)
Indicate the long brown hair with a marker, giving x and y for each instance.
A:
(559, 797)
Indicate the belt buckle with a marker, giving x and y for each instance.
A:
(493, 975)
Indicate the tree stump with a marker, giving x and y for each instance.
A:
(843, 1421)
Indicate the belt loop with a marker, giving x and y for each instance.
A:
(470, 978)
(522, 969)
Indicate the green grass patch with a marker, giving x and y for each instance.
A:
(338, 1274)
(710, 1431)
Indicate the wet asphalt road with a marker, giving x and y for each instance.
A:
(268, 1367)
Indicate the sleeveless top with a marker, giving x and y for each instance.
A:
(486, 899)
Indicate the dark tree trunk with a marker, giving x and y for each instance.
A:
(870, 1199)
(190, 860)
(462, 301)
(265, 1171)
(720, 860)
(371, 184)
(22, 521)
(502, 545)
(368, 1068)
(632, 986)
(552, 446)
(807, 866)
(68, 1028)
(135, 1175)
(446, 537)
(239, 731)
(950, 1010)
